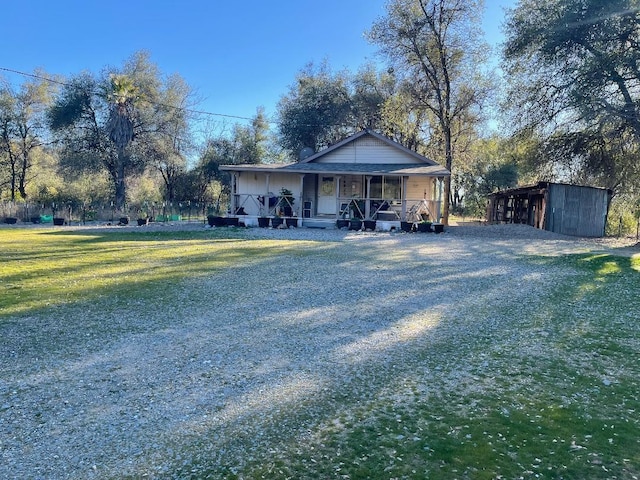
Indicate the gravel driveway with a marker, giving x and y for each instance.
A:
(251, 355)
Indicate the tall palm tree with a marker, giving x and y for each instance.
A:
(121, 95)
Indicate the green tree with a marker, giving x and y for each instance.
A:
(115, 119)
(436, 46)
(167, 151)
(23, 132)
(245, 144)
(491, 167)
(316, 112)
(574, 63)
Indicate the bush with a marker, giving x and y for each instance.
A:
(622, 219)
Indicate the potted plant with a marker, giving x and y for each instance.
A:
(291, 221)
(342, 222)
(263, 221)
(355, 224)
(406, 226)
(423, 226)
(369, 225)
(287, 201)
(216, 221)
(276, 221)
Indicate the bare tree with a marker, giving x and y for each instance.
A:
(22, 129)
(437, 46)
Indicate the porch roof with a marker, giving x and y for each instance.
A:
(411, 169)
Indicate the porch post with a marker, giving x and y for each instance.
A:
(266, 194)
(367, 200)
(337, 190)
(234, 181)
(440, 181)
(404, 197)
(300, 203)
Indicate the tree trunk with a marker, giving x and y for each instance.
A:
(24, 167)
(120, 187)
(448, 154)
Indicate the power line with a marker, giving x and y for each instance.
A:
(190, 110)
(31, 75)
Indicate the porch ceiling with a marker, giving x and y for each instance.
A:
(345, 168)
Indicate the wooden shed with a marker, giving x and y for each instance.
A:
(561, 208)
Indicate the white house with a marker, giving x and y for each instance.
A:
(366, 175)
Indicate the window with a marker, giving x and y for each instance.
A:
(388, 188)
(375, 187)
(392, 188)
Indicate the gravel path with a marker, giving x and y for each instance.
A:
(248, 355)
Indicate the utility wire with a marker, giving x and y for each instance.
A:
(190, 110)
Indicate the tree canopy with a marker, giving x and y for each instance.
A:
(118, 116)
(316, 111)
(575, 61)
(436, 45)
(573, 77)
(23, 131)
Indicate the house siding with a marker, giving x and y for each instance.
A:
(417, 186)
(251, 183)
(368, 150)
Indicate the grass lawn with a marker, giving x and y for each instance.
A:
(533, 376)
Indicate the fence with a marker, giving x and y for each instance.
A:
(28, 212)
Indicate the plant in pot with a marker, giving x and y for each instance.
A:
(216, 220)
(277, 220)
(342, 222)
(406, 226)
(291, 221)
(263, 220)
(369, 225)
(287, 200)
(423, 226)
(355, 224)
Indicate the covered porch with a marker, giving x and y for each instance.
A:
(319, 198)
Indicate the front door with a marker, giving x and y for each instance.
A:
(326, 195)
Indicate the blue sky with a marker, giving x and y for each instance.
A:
(236, 55)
